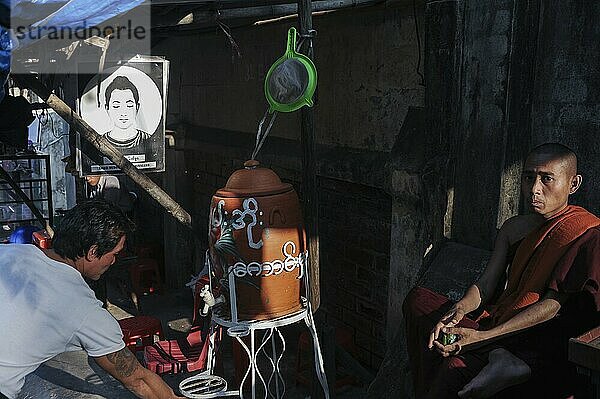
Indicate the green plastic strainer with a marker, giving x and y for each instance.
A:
(292, 80)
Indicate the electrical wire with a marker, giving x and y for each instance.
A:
(235, 49)
(422, 83)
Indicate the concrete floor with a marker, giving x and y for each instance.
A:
(73, 375)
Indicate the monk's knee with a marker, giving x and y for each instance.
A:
(420, 301)
(451, 369)
(453, 363)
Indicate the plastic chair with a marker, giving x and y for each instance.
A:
(180, 355)
(141, 331)
(42, 239)
(184, 354)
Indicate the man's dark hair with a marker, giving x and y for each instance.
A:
(121, 83)
(93, 222)
(557, 151)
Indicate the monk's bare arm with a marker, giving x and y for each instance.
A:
(496, 267)
(479, 292)
(483, 288)
(539, 312)
(124, 366)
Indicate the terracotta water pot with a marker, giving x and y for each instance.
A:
(261, 216)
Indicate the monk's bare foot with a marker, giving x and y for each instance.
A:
(502, 371)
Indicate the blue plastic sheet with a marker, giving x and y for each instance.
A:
(23, 234)
(56, 13)
(92, 12)
(4, 45)
(5, 48)
(30, 11)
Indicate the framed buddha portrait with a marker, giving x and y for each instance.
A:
(126, 105)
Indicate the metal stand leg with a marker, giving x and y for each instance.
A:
(275, 359)
(276, 365)
(274, 351)
(253, 364)
(319, 368)
(250, 366)
(264, 342)
(211, 357)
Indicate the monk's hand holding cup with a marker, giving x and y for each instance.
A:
(450, 319)
(465, 337)
(447, 350)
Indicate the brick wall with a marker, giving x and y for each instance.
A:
(355, 230)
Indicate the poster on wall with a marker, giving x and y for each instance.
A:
(127, 106)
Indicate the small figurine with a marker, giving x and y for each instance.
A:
(209, 300)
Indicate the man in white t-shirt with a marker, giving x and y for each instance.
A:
(46, 308)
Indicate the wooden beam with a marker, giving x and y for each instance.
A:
(309, 173)
(217, 4)
(203, 18)
(100, 143)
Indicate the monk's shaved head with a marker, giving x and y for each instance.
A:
(549, 177)
(556, 151)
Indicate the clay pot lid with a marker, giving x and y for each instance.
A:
(253, 181)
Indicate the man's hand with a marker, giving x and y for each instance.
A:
(466, 336)
(124, 366)
(450, 319)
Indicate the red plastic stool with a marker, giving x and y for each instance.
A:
(145, 276)
(180, 355)
(140, 331)
(189, 353)
(42, 239)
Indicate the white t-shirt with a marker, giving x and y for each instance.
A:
(46, 308)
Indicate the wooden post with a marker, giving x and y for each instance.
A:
(179, 244)
(89, 134)
(309, 175)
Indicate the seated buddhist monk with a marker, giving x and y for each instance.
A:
(513, 323)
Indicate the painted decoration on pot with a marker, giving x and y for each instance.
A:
(256, 233)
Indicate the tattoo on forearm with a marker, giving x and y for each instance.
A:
(124, 361)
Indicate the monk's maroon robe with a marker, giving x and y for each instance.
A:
(542, 347)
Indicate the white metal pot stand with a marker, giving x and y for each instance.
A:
(205, 385)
